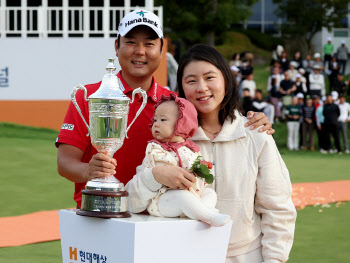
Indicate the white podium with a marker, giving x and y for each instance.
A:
(141, 239)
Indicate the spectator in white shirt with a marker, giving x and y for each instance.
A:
(317, 84)
(343, 120)
(276, 75)
(293, 70)
(249, 83)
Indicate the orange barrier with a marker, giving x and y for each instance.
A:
(305, 194)
(30, 228)
(44, 114)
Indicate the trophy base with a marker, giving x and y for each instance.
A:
(104, 214)
(104, 200)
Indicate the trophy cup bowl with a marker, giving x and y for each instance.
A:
(108, 117)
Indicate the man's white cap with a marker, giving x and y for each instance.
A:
(138, 18)
(335, 95)
(343, 41)
(298, 75)
(302, 71)
(300, 95)
(317, 66)
(317, 55)
(294, 64)
(329, 39)
(234, 68)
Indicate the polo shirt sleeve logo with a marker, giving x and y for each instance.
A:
(66, 126)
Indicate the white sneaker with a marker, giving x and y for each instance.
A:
(332, 151)
(323, 151)
(347, 151)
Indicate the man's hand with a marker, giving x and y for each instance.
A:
(257, 119)
(101, 166)
(173, 177)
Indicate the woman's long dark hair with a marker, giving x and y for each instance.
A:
(231, 101)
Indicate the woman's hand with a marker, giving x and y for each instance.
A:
(257, 119)
(101, 166)
(173, 176)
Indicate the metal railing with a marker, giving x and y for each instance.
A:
(64, 21)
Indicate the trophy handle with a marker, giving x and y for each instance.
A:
(144, 102)
(80, 87)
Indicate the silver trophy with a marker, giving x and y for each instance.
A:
(108, 116)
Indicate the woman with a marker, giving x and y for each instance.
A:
(251, 180)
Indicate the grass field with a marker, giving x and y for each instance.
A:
(30, 183)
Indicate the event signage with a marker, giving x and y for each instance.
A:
(4, 77)
(141, 239)
(85, 256)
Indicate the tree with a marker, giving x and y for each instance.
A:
(304, 18)
(199, 21)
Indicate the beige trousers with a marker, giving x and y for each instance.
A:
(254, 256)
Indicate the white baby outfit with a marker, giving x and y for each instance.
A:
(156, 156)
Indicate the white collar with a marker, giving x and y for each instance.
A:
(229, 132)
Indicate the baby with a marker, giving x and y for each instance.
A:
(174, 121)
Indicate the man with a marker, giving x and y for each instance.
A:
(331, 114)
(138, 48)
(258, 103)
(287, 86)
(342, 55)
(293, 115)
(328, 51)
(293, 70)
(339, 84)
(318, 121)
(247, 101)
(250, 84)
(343, 120)
(308, 113)
(319, 63)
(317, 83)
(308, 65)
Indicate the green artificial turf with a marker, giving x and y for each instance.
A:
(322, 235)
(29, 178)
(48, 252)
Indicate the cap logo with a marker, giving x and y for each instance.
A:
(144, 20)
(141, 13)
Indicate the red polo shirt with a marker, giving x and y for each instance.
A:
(131, 154)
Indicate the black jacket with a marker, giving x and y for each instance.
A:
(331, 113)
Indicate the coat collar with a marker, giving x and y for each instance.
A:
(229, 132)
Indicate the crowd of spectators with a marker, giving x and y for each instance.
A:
(297, 95)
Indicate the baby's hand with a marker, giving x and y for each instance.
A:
(173, 177)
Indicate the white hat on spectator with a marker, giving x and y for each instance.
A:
(298, 75)
(138, 18)
(317, 66)
(324, 98)
(302, 71)
(343, 41)
(335, 95)
(300, 95)
(279, 50)
(234, 68)
(329, 39)
(294, 64)
(317, 55)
